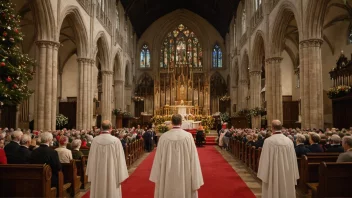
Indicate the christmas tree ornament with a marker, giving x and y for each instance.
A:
(2, 64)
(14, 86)
(4, 34)
(8, 79)
(15, 30)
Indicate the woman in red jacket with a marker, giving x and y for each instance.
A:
(3, 159)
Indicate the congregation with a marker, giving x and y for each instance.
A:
(305, 140)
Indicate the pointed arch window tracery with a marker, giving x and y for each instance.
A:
(145, 57)
(217, 57)
(181, 46)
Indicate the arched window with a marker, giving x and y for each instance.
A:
(244, 21)
(181, 47)
(145, 57)
(117, 20)
(217, 57)
(257, 4)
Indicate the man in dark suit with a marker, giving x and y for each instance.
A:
(147, 137)
(200, 136)
(23, 154)
(300, 148)
(46, 155)
(314, 140)
(335, 147)
(11, 148)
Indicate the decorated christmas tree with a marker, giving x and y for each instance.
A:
(16, 68)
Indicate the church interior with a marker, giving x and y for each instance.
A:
(136, 63)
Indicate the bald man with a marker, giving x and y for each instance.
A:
(278, 165)
(106, 167)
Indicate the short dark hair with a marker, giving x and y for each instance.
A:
(106, 125)
(176, 119)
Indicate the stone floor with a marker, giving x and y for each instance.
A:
(251, 180)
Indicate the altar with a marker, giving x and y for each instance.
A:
(183, 110)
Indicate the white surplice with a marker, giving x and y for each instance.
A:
(106, 167)
(176, 170)
(278, 167)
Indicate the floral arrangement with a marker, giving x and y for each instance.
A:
(157, 120)
(127, 114)
(61, 121)
(257, 111)
(117, 112)
(243, 113)
(339, 91)
(225, 117)
(162, 128)
(207, 122)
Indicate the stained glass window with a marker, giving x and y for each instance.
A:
(145, 57)
(181, 47)
(217, 57)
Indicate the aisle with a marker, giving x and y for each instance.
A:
(220, 180)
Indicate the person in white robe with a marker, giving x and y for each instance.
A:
(106, 168)
(278, 165)
(176, 169)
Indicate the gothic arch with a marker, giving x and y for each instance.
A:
(287, 12)
(258, 51)
(315, 18)
(102, 47)
(79, 29)
(218, 85)
(45, 20)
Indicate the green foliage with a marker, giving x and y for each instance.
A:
(61, 121)
(117, 112)
(16, 68)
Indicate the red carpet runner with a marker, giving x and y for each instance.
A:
(220, 180)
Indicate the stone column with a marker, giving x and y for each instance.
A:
(46, 87)
(255, 96)
(85, 94)
(273, 89)
(311, 84)
(243, 94)
(106, 97)
(119, 94)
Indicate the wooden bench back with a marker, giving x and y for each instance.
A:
(70, 176)
(335, 179)
(25, 180)
(309, 169)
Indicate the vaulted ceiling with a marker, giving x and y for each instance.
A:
(143, 13)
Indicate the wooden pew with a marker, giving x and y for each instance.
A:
(309, 169)
(254, 157)
(70, 176)
(81, 171)
(334, 180)
(26, 180)
(63, 186)
(248, 156)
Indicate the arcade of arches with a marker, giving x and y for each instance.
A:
(94, 57)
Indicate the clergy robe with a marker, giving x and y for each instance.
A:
(106, 167)
(278, 167)
(176, 170)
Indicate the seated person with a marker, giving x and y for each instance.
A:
(46, 155)
(347, 145)
(301, 149)
(76, 153)
(200, 136)
(23, 154)
(12, 147)
(65, 155)
(335, 146)
(314, 140)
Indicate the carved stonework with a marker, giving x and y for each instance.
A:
(274, 60)
(44, 43)
(86, 60)
(311, 43)
(255, 73)
(244, 82)
(104, 72)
